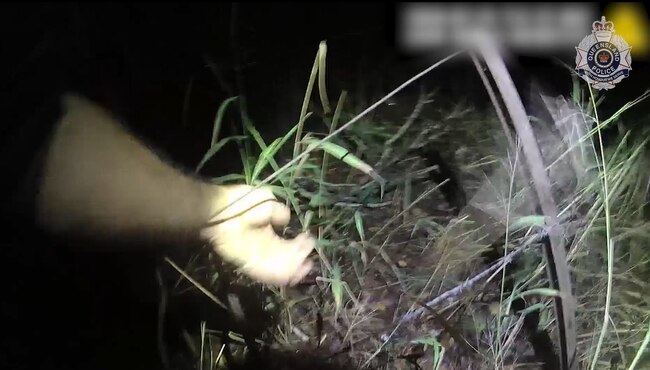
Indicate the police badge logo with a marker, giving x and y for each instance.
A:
(603, 57)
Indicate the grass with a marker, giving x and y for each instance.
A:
(388, 242)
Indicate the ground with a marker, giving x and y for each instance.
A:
(420, 205)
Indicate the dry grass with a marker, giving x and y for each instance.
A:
(389, 241)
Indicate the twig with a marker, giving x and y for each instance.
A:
(495, 102)
(453, 332)
(197, 284)
(557, 267)
(455, 292)
(360, 205)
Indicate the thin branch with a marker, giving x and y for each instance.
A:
(458, 290)
(495, 102)
(197, 284)
(558, 269)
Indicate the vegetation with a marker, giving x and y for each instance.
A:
(390, 242)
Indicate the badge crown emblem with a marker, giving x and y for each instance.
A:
(603, 29)
(603, 58)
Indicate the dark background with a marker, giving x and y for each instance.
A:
(148, 62)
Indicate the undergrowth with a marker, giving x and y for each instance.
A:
(389, 241)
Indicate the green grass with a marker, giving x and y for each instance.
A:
(386, 240)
